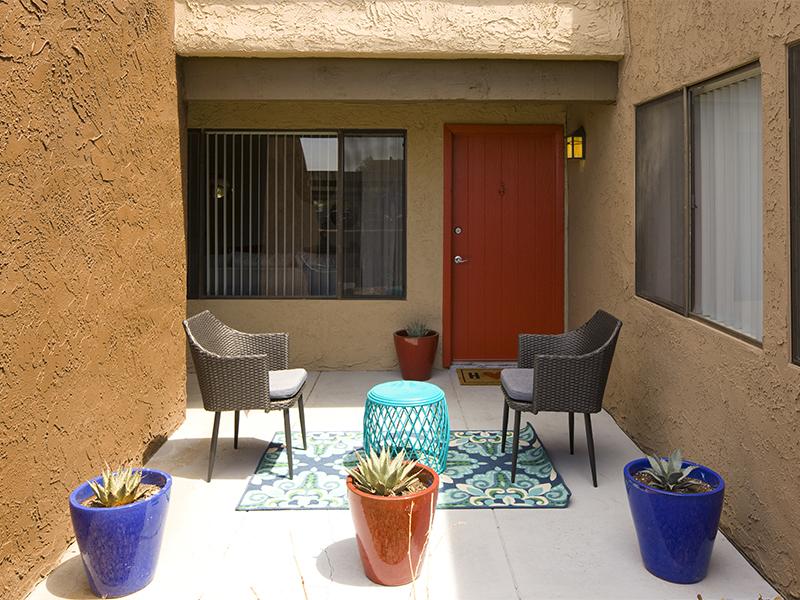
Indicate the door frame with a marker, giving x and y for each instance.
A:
(450, 130)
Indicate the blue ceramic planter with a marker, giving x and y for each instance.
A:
(119, 546)
(676, 531)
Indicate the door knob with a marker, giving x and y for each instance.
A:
(458, 260)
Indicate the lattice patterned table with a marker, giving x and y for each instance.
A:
(410, 416)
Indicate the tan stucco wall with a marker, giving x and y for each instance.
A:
(335, 334)
(675, 381)
(92, 275)
(401, 28)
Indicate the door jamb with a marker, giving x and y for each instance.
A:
(447, 266)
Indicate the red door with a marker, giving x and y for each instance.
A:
(504, 238)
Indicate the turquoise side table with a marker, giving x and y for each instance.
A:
(410, 416)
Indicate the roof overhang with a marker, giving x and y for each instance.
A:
(344, 79)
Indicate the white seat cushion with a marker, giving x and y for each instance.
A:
(286, 383)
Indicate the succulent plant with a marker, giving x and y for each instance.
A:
(118, 488)
(417, 329)
(382, 475)
(669, 474)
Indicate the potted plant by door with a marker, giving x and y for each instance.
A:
(392, 502)
(676, 505)
(118, 520)
(416, 349)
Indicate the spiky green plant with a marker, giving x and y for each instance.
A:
(382, 475)
(669, 474)
(417, 329)
(118, 488)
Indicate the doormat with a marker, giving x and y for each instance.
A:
(479, 376)
(478, 475)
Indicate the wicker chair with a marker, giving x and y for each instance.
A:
(243, 371)
(561, 373)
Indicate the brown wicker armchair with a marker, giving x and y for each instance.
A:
(561, 373)
(243, 371)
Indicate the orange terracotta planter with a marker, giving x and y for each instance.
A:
(416, 354)
(392, 532)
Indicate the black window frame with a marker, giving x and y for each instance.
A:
(196, 178)
(793, 83)
(690, 205)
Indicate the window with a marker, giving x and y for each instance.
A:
(699, 246)
(296, 214)
(661, 202)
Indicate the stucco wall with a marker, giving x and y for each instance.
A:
(335, 334)
(92, 275)
(677, 382)
(401, 28)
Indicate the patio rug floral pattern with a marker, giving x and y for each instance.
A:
(478, 475)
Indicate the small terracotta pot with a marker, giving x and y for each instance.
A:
(416, 354)
(392, 532)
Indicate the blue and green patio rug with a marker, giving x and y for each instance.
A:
(478, 474)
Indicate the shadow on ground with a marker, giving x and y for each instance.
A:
(340, 563)
(68, 581)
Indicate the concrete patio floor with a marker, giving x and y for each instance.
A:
(587, 551)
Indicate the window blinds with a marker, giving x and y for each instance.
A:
(726, 157)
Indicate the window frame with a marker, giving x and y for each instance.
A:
(194, 287)
(793, 80)
(689, 91)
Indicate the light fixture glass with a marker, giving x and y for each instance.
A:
(576, 144)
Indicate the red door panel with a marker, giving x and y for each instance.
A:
(506, 222)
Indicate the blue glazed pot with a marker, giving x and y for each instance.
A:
(676, 531)
(119, 546)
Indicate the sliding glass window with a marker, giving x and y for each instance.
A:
(705, 261)
(296, 214)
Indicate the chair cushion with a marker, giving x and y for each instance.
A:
(518, 384)
(286, 383)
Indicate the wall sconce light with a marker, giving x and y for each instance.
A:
(576, 144)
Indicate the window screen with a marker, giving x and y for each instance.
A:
(661, 202)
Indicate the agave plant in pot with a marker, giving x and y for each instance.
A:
(118, 520)
(676, 505)
(392, 502)
(416, 349)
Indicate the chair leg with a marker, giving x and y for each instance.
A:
(236, 429)
(517, 415)
(505, 425)
(287, 429)
(572, 433)
(212, 455)
(590, 443)
(302, 421)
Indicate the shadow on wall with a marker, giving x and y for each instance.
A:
(152, 447)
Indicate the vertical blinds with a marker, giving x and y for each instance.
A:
(269, 205)
(727, 211)
(297, 215)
